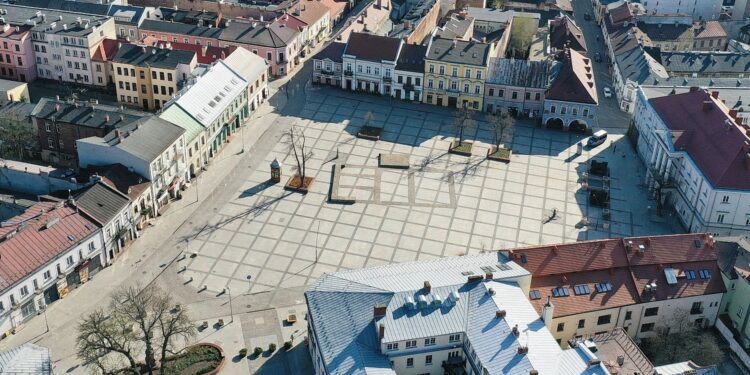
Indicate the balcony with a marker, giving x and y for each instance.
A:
(348, 73)
(327, 72)
(408, 87)
(387, 79)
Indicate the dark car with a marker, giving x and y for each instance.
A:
(598, 57)
(587, 17)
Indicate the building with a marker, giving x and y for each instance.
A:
(218, 101)
(375, 16)
(564, 33)
(317, 16)
(254, 69)
(127, 182)
(278, 44)
(668, 33)
(518, 86)
(706, 64)
(696, 155)
(464, 314)
(410, 73)
(47, 251)
(703, 10)
(101, 61)
(111, 210)
(457, 26)
(638, 284)
(489, 20)
(166, 31)
(148, 77)
(35, 179)
(26, 359)
(570, 102)
(18, 64)
(369, 63)
(734, 262)
(732, 91)
(128, 19)
(12, 91)
(59, 124)
(204, 54)
(328, 65)
(190, 17)
(455, 72)
(418, 22)
(710, 36)
(151, 147)
(195, 137)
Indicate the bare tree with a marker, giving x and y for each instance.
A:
(142, 308)
(500, 123)
(15, 134)
(297, 146)
(101, 337)
(369, 116)
(173, 327)
(678, 339)
(462, 121)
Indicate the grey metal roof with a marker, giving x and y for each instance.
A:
(126, 14)
(633, 61)
(471, 53)
(273, 35)
(146, 139)
(26, 359)
(705, 63)
(247, 64)
(180, 28)
(84, 114)
(340, 308)
(411, 58)
(102, 202)
(53, 21)
(521, 73)
(144, 56)
(496, 15)
(68, 5)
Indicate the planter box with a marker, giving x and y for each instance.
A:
(369, 132)
(461, 149)
(293, 184)
(501, 154)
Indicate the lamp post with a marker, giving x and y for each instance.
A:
(231, 311)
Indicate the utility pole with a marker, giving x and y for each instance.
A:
(231, 310)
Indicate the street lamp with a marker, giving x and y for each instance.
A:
(231, 311)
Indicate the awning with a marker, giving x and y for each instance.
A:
(175, 182)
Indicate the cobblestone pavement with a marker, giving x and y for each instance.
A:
(267, 238)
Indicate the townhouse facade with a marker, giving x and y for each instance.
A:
(455, 73)
(317, 16)
(278, 44)
(195, 137)
(18, 53)
(112, 212)
(707, 193)
(328, 65)
(254, 69)
(148, 77)
(47, 251)
(517, 86)
(180, 32)
(639, 284)
(369, 63)
(700, 10)
(101, 62)
(571, 101)
(410, 73)
(151, 147)
(59, 124)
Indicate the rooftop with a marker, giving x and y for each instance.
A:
(247, 64)
(37, 236)
(575, 80)
(153, 57)
(702, 127)
(180, 28)
(668, 31)
(457, 27)
(145, 139)
(76, 24)
(496, 15)
(521, 73)
(710, 29)
(633, 61)
(565, 33)
(102, 202)
(26, 359)
(122, 179)
(211, 93)
(204, 54)
(616, 344)
(334, 52)
(106, 50)
(310, 11)
(365, 46)
(459, 51)
(260, 34)
(706, 63)
(464, 296)
(411, 58)
(85, 114)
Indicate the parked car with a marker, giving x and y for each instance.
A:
(587, 17)
(598, 138)
(598, 57)
(607, 92)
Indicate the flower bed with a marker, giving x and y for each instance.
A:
(499, 154)
(463, 148)
(294, 184)
(196, 360)
(369, 132)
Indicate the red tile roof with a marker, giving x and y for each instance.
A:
(33, 244)
(711, 29)
(203, 54)
(628, 271)
(702, 127)
(564, 32)
(575, 80)
(106, 50)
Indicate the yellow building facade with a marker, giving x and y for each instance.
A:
(455, 72)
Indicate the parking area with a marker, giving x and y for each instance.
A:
(443, 204)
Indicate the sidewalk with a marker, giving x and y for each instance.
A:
(149, 256)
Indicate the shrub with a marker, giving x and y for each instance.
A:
(272, 348)
(243, 352)
(258, 351)
(287, 345)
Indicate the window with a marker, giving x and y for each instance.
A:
(704, 274)
(411, 344)
(537, 96)
(560, 327)
(604, 319)
(628, 315)
(725, 199)
(454, 338)
(581, 323)
(651, 311)
(393, 346)
(514, 95)
(491, 92)
(410, 362)
(428, 360)
(552, 109)
(429, 341)
(70, 260)
(581, 289)
(477, 89)
(690, 275)
(524, 258)
(432, 68)
(24, 291)
(466, 87)
(442, 69)
(479, 74)
(720, 218)
(527, 96)
(648, 327)
(47, 275)
(467, 73)
(603, 287)
(92, 246)
(534, 294)
(501, 93)
(561, 291)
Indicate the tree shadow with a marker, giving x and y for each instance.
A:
(257, 189)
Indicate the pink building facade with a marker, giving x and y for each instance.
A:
(17, 54)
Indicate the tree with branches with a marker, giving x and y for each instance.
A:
(679, 339)
(15, 134)
(462, 121)
(500, 123)
(296, 144)
(140, 322)
(369, 116)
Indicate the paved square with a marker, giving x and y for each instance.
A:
(444, 204)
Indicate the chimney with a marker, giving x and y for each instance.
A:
(118, 134)
(381, 331)
(707, 105)
(715, 94)
(427, 287)
(489, 276)
(515, 330)
(547, 313)
(378, 311)
(500, 314)
(144, 49)
(204, 49)
(106, 119)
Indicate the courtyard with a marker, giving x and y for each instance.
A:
(442, 205)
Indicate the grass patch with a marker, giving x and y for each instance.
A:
(199, 359)
(463, 148)
(501, 154)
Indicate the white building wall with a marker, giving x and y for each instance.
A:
(368, 75)
(416, 91)
(700, 10)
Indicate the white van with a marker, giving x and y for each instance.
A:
(598, 138)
